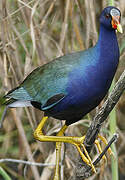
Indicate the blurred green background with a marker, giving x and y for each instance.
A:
(33, 32)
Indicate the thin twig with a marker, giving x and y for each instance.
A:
(26, 162)
(65, 24)
(3, 116)
(47, 14)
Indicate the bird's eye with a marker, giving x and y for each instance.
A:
(107, 16)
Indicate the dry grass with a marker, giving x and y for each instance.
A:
(31, 34)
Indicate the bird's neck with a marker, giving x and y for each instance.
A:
(108, 44)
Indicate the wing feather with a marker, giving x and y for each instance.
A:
(47, 82)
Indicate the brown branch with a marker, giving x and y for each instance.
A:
(82, 171)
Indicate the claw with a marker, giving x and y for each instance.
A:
(86, 158)
(90, 161)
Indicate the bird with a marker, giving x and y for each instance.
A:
(70, 86)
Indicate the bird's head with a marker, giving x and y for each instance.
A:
(110, 18)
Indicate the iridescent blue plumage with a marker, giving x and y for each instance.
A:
(71, 86)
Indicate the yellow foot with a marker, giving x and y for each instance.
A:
(86, 158)
(100, 149)
(103, 139)
(77, 141)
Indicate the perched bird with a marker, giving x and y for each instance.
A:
(70, 86)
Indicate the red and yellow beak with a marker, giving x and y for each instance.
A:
(116, 23)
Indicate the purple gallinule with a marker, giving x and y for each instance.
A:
(70, 86)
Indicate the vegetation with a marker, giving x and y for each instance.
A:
(33, 33)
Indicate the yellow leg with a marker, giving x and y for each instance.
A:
(103, 139)
(58, 152)
(99, 149)
(77, 141)
(86, 153)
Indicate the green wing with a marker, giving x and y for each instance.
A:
(47, 81)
